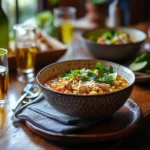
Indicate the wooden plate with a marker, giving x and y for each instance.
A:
(142, 77)
(122, 123)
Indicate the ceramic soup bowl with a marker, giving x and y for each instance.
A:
(85, 106)
(116, 53)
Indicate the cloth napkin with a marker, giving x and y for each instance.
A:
(42, 115)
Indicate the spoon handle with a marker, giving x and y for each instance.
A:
(19, 102)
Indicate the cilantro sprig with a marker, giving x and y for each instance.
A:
(102, 70)
(70, 74)
(104, 75)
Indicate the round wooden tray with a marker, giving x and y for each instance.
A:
(122, 123)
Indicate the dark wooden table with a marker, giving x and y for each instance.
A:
(19, 137)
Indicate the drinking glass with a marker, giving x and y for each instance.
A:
(25, 46)
(3, 76)
(64, 19)
(3, 120)
(147, 44)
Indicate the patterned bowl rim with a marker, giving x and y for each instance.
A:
(119, 28)
(80, 95)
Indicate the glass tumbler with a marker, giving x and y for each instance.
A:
(64, 20)
(25, 46)
(3, 76)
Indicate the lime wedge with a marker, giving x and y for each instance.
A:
(113, 75)
(139, 66)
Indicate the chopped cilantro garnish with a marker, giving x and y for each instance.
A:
(91, 74)
(98, 65)
(111, 69)
(104, 75)
(83, 78)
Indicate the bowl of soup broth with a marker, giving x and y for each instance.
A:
(86, 88)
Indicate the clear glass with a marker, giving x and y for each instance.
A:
(64, 20)
(3, 76)
(147, 44)
(25, 47)
(3, 120)
(27, 9)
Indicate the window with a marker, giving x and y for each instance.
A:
(27, 9)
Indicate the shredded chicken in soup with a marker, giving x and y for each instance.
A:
(100, 80)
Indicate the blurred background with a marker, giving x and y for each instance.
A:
(98, 11)
(89, 13)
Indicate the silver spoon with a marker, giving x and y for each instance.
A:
(30, 91)
(36, 91)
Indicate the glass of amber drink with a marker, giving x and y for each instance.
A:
(64, 22)
(25, 44)
(3, 76)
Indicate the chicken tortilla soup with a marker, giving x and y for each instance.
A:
(100, 80)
